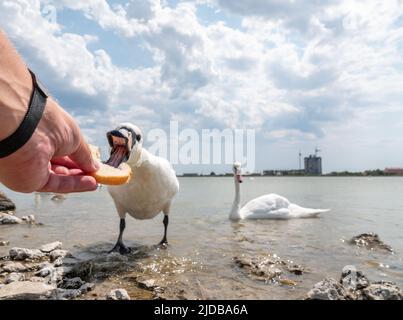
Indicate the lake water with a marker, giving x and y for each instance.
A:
(201, 234)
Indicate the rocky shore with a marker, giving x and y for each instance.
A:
(354, 285)
(44, 273)
(50, 272)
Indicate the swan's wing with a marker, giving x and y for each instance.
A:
(300, 212)
(270, 206)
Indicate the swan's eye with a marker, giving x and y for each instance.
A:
(138, 137)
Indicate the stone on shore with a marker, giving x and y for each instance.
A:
(382, 291)
(354, 285)
(4, 243)
(13, 277)
(327, 289)
(268, 267)
(21, 254)
(118, 294)
(49, 247)
(26, 290)
(43, 274)
(58, 253)
(29, 219)
(370, 241)
(10, 219)
(72, 283)
(148, 284)
(353, 281)
(11, 266)
(5, 203)
(66, 294)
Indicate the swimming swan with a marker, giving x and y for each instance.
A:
(269, 206)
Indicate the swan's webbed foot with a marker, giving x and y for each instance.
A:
(163, 244)
(121, 248)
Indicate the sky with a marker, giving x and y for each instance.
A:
(302, 74)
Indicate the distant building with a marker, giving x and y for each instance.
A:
(313, 165)
(398, 171)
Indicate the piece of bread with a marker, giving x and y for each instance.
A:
(107, 174)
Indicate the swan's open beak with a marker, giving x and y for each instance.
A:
(120, 142)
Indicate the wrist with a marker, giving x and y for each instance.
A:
(15, 94)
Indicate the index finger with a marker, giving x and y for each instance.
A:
(68, 184)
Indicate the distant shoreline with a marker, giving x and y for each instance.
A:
(301, 173)
(294, 176)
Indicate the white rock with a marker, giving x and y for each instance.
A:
(46, 271)
(328, 289)
(29, 219)
(4, 243)
(9, 219)
(23, 254)
(51, 246)
(26, 290)
(11, 266)
(57, 274)
(58, 262)
(149, 284)
(13, 277)
(56, 254)
(5, 213)
(118, 294)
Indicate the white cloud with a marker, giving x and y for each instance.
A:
(294, 70)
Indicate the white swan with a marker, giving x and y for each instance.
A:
(269, 206)
(153, 184)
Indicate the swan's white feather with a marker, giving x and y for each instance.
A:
(150, 190)
(273, 206)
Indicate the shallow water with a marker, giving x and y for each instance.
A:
(203, 241)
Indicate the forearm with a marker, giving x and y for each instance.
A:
(15, 88)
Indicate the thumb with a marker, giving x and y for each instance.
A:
(83, 158)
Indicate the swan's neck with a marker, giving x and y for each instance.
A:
(236, 206)
(137, 157)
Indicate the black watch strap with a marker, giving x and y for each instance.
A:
(31, 120)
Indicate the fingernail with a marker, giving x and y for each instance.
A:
(95, 164)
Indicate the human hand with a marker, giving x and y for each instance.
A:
(55, 159)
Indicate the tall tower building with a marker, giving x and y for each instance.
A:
(313, 164)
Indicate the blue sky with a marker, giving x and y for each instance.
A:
(301, 73)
